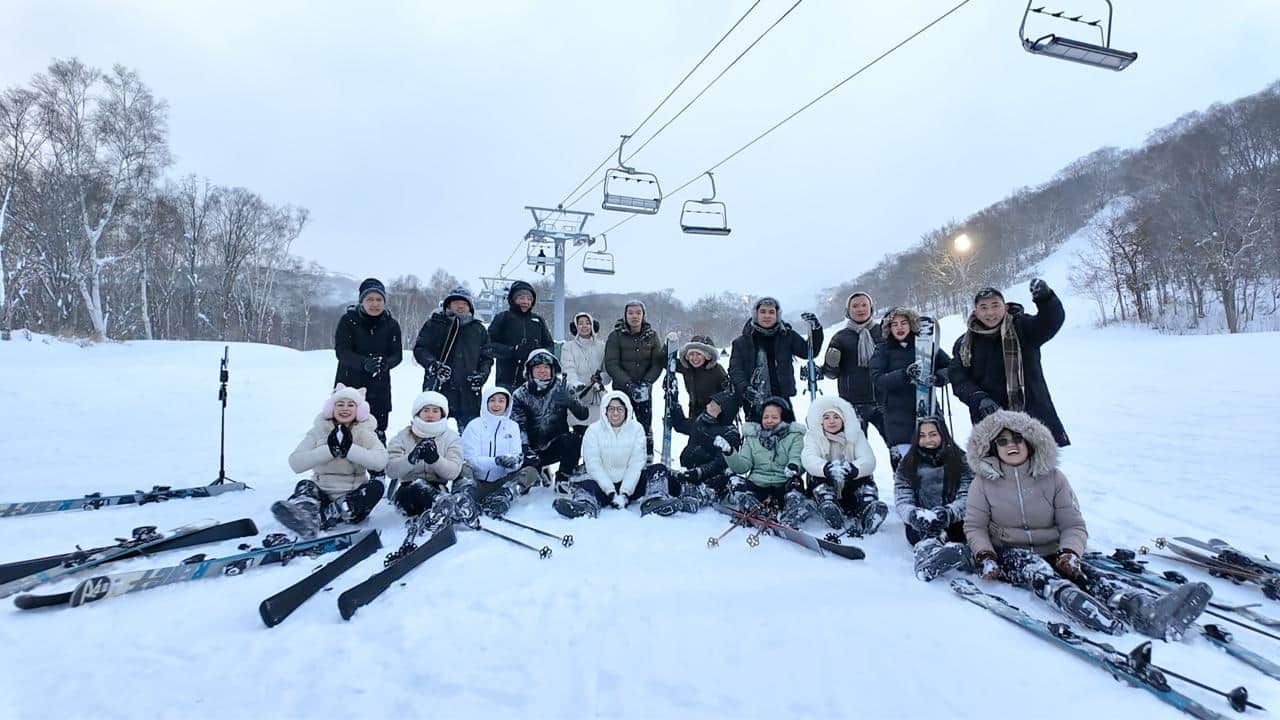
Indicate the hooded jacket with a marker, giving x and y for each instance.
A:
(786, 344)
(443, 471)
(613, 456)
(632, 358)
(465, 351)
(762, 466)
(700, 453)
(1030, 506)
(359, 337)
(985, 377)
(581, 357)
(542, 414)
(701, 383)
(896, 391)
(489, 437)
(338, 476)
(818, 448)
(514, 334)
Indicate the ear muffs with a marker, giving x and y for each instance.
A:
(573, 327)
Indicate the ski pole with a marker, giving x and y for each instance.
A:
(544, 552)
(714, 542)
(1212, 569)
(1238, 697)
(565, 540)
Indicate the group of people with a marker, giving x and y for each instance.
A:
(582, 422)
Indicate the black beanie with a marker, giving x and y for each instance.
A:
(372, 285)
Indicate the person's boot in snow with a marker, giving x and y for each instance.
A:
(871, 511)
(358, 503)
(828, 507)
(579, 503)
(934, 558)
(1083, 607)
(301, 512)
(796, 508)
(1165, 617)
(498, 502)
(695, 496)
(657, 494)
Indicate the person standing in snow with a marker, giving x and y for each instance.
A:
(929, 491)
(1023, 524)
(848, 361)
(995, 364)
(613, 451)
(515, 333)
(367, 343)
(702, 373)
(634, 357)
(761, 364)
(450, 349)
(541, 407)
(583, 360)
(767, 465)
(493, 453)
(425, 458)
(840, 464)
(896, 374)
(340, 450)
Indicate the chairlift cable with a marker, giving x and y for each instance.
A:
(658, 107)
(689, 104)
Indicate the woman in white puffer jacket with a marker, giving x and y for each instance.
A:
(613, 451)
(495, 470)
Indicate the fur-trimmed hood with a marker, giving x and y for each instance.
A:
(825, 403)
(912, 317)
(1040, 443)
(699, 343)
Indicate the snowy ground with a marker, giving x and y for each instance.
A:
(1172, 435)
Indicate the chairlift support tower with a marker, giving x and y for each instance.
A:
(555, 229)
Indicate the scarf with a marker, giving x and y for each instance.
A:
(837, 445)
(768, 332)
(769, 438)
(424, 429)
(1014, 383)
(866, 346)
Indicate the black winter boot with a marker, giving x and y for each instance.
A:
(828, 506)
(657, 493)
(301, 512)
(796, 508)
(934, 558)
(498, 501)
(695, 496)
(1165, 617)
(358, 503)
(871, 512)
(579, 503)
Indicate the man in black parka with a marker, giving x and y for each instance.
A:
(450, 349)
(760, 359)
(367, 343)
(848, 361)
(516, 332)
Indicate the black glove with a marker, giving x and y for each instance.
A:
(792, 471)
(339, 441)
(1040, 290)
(812, 320)
(688, 476)
(987, 407)
(919, 521)
(640, 392)
(424, 451)
(440, 371)
(834, 471)
(732, 436)
(913, 372)
(597, 382)
(941, 519)
(531, 458)
(804, 372)
(373, 365)
(476, 381)
(753, 397)
(796, 484)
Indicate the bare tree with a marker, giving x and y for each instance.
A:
(20, 142)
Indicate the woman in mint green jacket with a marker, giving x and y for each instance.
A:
(767, 466)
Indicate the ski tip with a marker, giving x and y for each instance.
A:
(268, 617)
(347, 607)
(964, 586)
(31, 602)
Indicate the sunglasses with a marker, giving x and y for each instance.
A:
(1013, 437)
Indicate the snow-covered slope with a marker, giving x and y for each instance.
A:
(1172, 435)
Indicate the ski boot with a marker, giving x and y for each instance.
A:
(498, 500)
(579, 503)
(356, 505)
(828, 508)
(934, 558)
(1081, 606)
(695, 496)
(871, 511)
(796, 508)
(301, 512)
(657, 494)
(1165, 617)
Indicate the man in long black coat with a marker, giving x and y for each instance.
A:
(996, 363)
(367, 343)
(848, 360)
(516, 332)
(760, 359)
(450, 349)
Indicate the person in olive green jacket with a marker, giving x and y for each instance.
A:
(767, 466)
(634, 358)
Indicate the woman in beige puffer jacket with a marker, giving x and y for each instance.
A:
(425, 457)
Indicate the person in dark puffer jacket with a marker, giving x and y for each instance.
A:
(367, 343)
(515, 333)
(540, 408)
(896, 375)
(848, 361)
(761, 359)
(454, 329)
(634, 358)
(703, 375)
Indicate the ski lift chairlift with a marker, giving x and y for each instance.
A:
(541, 253)
(629, 190)
(706, 216)
(598, 262)
(1078, 51)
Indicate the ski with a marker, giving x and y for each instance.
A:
(811, 370)
(94, 501)
(799, 537)
(1226, 641)
(144, 538)
(1119, 665)
(671, 395)
(194, 568)
(1122, 562)
(276, 608)
(926, 348)
(1226, 553)
(398, 564)
(1268, 582)
(225, 531)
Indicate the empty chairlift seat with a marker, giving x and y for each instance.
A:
(706, 216)
(629, 190)
(1074, 50)
(598, 262)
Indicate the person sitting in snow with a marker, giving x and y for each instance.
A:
(839, 461)
(340, 449)
(540, 407)
(704, 476)
(929, 491)
(613, 451)
(1023, 524)
(493, 453)
(767, 465)
(425, 458)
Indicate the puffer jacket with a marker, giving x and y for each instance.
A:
(765, 467)
(701, 383)
(700, 453)
(514, 334)
(441, 472)
(613, 456)
(896, 391)
(818, 447)
(633, 358)
(488, 437)
(359, 337)
(543, 414)
(338, 476)
(580, 357)
(1032, 505)
(926, 479)
(853, 380)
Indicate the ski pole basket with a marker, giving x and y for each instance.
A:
(705, 216)
(629, 190)
(1073, 50)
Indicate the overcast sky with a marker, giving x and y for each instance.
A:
(416, 132)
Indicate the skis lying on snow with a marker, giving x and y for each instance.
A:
(397, 565)
(194, 568)
(144, 538)
(1268, 582)
(226, 531)
(1226, 553)
(93, 501)
(1134, 667)
(773, 527)
(276, 608)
